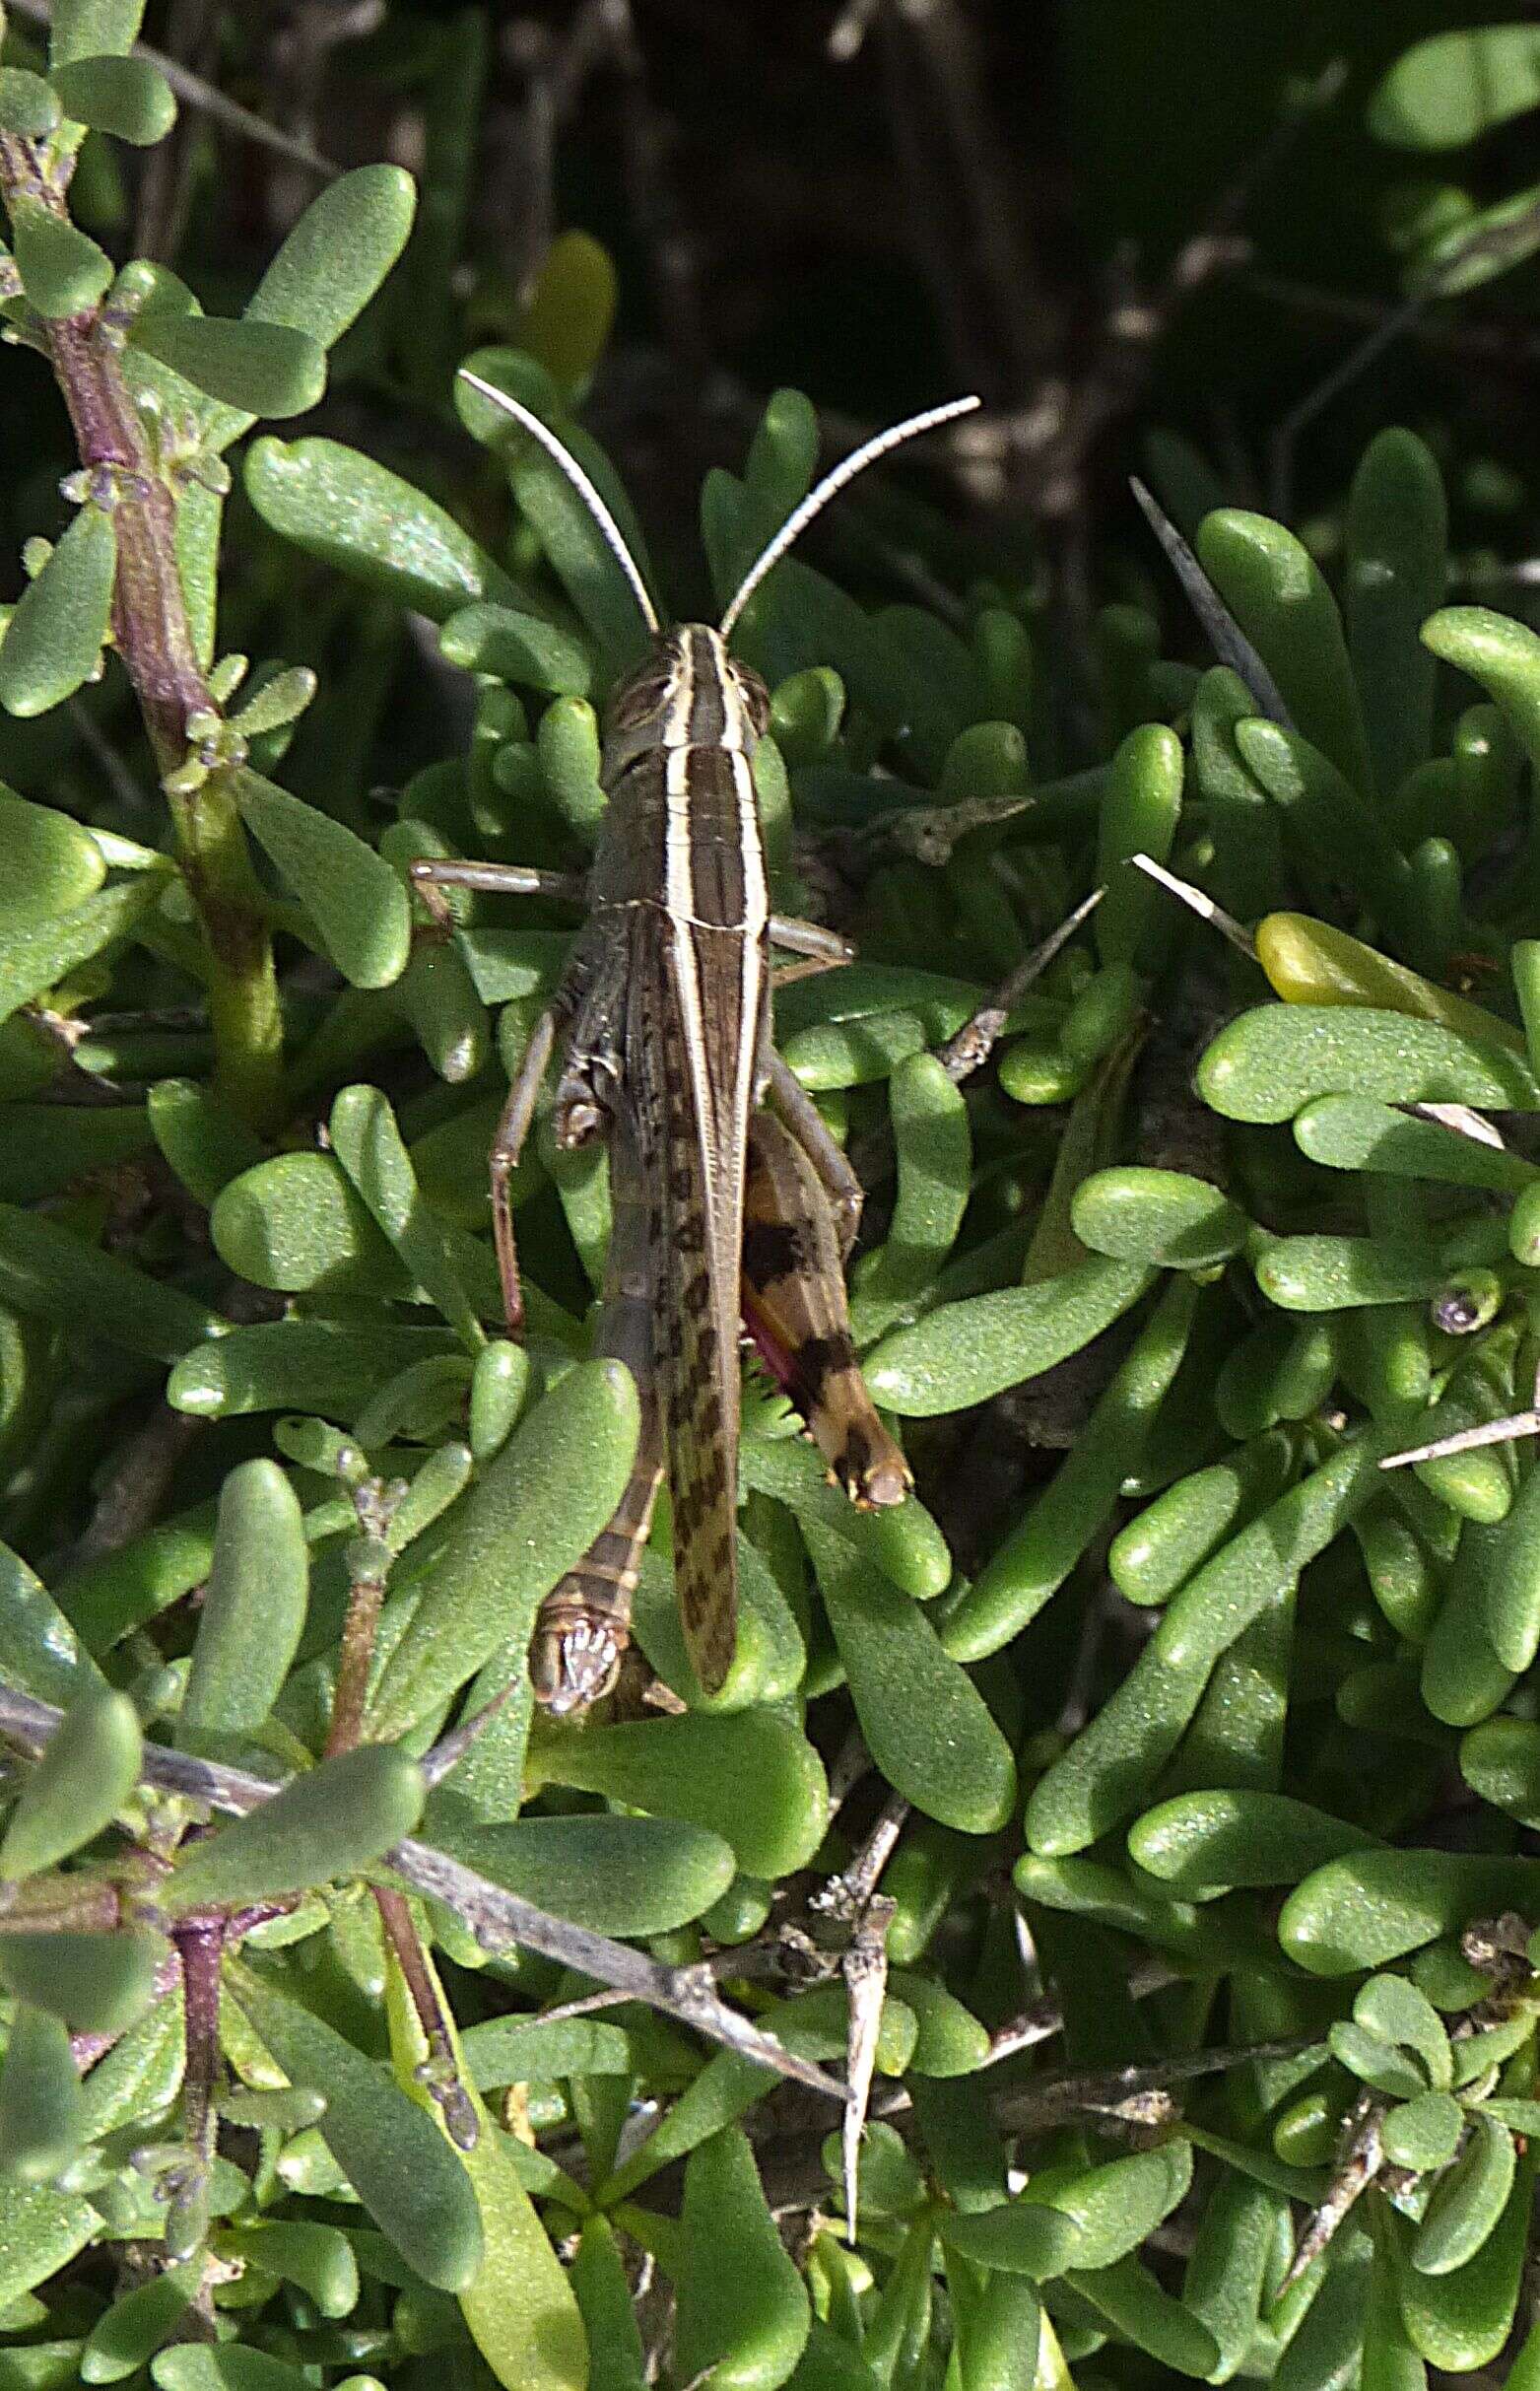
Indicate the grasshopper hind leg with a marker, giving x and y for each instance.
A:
(583, 1626)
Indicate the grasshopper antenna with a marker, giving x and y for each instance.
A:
(830, 487)
(567, 463)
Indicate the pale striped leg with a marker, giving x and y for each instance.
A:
(431, 875)
(821, 1148)
(809, 938)
(506, 1146)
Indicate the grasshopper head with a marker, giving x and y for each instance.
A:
(686, 692)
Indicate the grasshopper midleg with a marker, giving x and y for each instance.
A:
(662, 1022)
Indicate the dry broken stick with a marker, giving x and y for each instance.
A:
(927, 834)
(1226, 637)
(1489, 1432)
(207, 96)
(1142, 2094)
(841, 1927)
(1360, 2160)
(971, 1047)
(498, 1919)
(851, 1900)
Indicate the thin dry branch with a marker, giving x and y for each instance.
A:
(496, 1918)
(210, 100)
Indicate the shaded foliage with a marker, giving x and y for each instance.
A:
(1146, 1808)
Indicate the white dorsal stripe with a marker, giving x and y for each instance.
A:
(830, 487)
(566, 462)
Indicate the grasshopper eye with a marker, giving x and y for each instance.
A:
(755, 696)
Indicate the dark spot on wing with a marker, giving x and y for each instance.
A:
(818, 1358)
(771, 1250)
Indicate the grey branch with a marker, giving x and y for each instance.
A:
(208, 98)
(496, 1918)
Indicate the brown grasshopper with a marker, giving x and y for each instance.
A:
(663, 1018)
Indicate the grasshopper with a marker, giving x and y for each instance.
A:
(662, 1023)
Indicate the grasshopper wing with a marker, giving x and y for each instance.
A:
(694, 1008)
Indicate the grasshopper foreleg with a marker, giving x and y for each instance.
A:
(431, 875)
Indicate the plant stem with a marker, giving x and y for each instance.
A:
(369, 1564)
(439, 2075)
(200, 1941)
(155, 639)
(496, 1918)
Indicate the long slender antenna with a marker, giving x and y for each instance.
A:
(830, 487)
(567, 463)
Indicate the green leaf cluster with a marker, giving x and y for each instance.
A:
(1201, 1725)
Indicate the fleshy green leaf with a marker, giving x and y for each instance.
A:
(1019, 2237)
(29, 104)
(254, 1609)
(743, 2307)
(37, 954)
(1164, 1218)
(87, 1771)
(41, 2231)
(359, 904)
(261, 369)
(54, 638)
(1453, 88)
(1117, 2205)
(531, 1515)
(127, 97)
(126, 2335)
(1468, 2203)
(965, 1352)
(923, 1719)
(54, 865)
(327, 1822)
(97, 1983)
(1265, 1065)
(368, 1144)
(518, 2304)
(695, 1769)
(63, 271)
(42, 2114)
(617, 1875)
(1373, 1906)
(93, 28)
(1203, 1844)
(365, 521)
(1424, 2133)
(517, 646)
(228, 2367)
(337, 256)
(1461, 2320)
(329, 1366)
(402, 2169)
(45, 1268)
